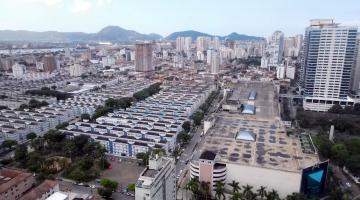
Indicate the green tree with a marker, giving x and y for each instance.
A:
(131, 187)
(236, 196)
(194, 186)
(110, 102)
(21, 153)
(105, 192)
(144, 157)
(31, 136)
(247, 192)
(295, 196)
(198, 117)
(23, 106)
(62, 125)
(183, 138)
(261, 192)
(235, 186)
(219, 190)
(273, 195)
(85, 116)
(109, 184)
(186, 126)
(357, 107)
(336, 108)
(9, 144)
(339, 153)
(353, 164)
(125, 102)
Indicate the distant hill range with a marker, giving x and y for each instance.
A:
(195, 34)
(107, 34)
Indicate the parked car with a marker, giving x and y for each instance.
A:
(348, 184)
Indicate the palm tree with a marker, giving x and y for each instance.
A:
(193, 186)
(261, 192)
(219, 190)
(236, 196)
(247, 192)
(235, 186)
(295, 196)
(205, 190)
(273, 195)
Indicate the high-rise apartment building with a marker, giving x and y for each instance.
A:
(215, 43)
(213, 60)
(293, 46)
(183, 44)
(355, 86)
(158, 180)
(329, 57)
(202, 43)
(144, 57)
(50, 64)
(275, 48)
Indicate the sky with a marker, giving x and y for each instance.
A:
(220, 17)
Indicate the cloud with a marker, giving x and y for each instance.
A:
(50, 3)
(81, 6)
(103, 2)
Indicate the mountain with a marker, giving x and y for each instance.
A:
(107, 34)
(195, 34)
(236, 36)
(115, 33)
(190, 33)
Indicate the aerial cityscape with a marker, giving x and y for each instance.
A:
(189, 102)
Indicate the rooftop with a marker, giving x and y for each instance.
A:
(233, 140)
(40, 190)
(11, 177)
(57, 196)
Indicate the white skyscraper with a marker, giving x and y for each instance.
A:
(183, 44)
(275, 48)
(213, 58)
(202, 43)
(329, 55)
(355, 86)
(215, 43)
(292, 46)
(157, 181)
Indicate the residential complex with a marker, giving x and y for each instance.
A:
(151, 123)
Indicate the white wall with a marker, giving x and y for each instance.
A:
(284, 182)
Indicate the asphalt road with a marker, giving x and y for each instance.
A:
(354, 189)
(191, 147)
(68, 186)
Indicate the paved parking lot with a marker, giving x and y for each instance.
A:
(125, 172)
(265, 102)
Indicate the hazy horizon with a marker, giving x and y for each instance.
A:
(257, 18)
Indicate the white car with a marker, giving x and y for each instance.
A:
(348, 184)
